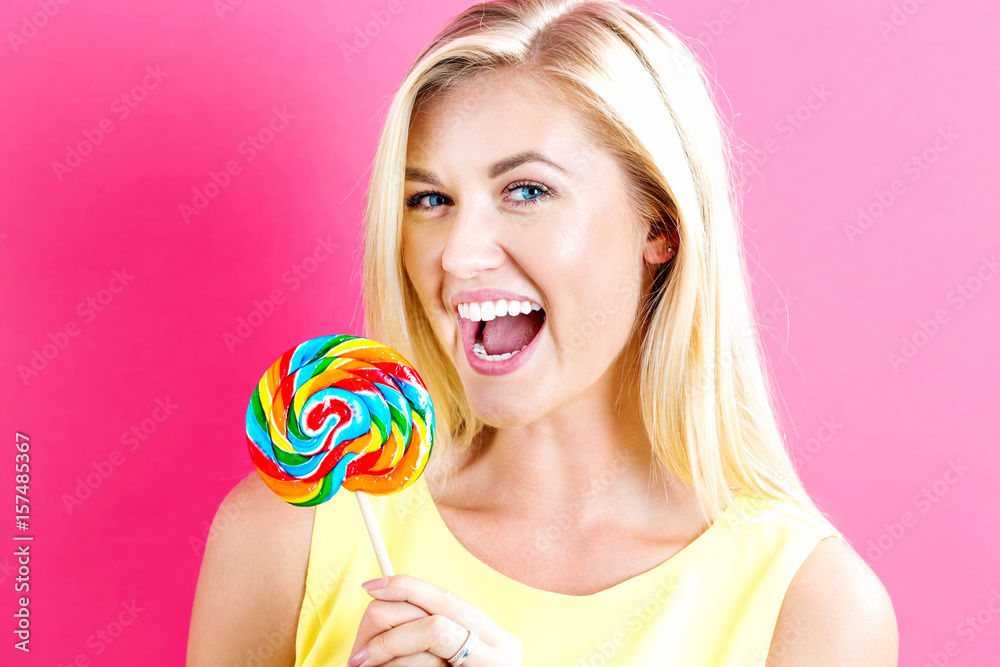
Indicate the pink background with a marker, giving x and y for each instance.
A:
(870, 435)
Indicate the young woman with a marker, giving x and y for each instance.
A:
(552, 241)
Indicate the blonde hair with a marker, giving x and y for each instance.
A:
(706, 402)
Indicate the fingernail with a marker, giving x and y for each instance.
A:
(375, 584)
(358, 657)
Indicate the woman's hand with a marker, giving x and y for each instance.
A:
(413, 623)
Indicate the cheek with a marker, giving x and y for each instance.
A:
(418, 259)
(607, 318)
(596, 276)
(422, 266)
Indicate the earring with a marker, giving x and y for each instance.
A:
(670, 249)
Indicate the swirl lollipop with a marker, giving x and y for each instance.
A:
(340, 411)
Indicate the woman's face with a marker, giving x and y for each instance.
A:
(481, 225)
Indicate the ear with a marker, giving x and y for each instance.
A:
(659, 249)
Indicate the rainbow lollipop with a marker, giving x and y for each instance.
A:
(340, 411)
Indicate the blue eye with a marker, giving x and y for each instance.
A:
(414, 201)
(535, 192)
(530, 186)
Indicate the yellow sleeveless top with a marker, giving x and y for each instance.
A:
(715, 602)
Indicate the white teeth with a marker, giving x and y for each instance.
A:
(488, 310)
(480, 352)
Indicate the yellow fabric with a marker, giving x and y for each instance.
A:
(713, 603)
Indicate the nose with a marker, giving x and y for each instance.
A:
(470, 246)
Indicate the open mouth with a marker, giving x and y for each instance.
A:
(499, 335)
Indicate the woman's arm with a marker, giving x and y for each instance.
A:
(252, 580)
(836, 613)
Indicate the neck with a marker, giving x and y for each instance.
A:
(591, 454)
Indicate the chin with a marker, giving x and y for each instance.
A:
(504, 410)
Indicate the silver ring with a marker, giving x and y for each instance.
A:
(466, 649)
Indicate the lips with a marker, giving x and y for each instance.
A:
(467, 330)
(490, 294)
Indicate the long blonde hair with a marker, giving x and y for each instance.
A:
(706, 402)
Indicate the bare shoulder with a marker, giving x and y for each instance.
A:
(252, 579)
(835, 612)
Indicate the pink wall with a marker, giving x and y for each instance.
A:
(887, 361)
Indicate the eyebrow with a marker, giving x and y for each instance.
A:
(494, 170)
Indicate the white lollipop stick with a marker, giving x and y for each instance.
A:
(375, 534)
